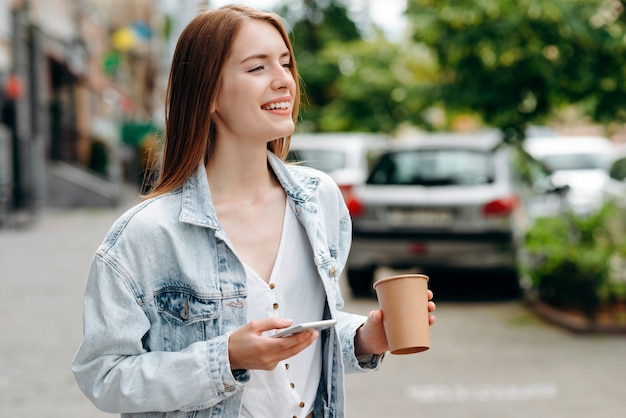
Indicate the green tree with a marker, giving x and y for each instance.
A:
(379, 87)
(515, 62)
(352, 83)
(314, 26)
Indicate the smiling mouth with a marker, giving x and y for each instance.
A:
(276, 106)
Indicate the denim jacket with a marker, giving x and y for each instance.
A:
(165, 290)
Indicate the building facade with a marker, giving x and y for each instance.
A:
(73, 72)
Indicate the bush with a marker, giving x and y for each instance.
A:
(572, 260)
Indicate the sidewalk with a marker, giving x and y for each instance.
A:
(43, 268)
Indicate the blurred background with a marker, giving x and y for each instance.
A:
(82, 87)
(83, 80)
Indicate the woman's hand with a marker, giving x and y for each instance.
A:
(431, 308)
(370, 337)
(249, 349)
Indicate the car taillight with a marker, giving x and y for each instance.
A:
(500, 207)
(355, 207)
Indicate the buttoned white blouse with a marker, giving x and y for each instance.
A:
(295, 291)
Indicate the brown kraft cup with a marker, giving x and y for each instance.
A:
(404, 302)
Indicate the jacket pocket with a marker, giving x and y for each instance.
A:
(185, 317)
(185, 306)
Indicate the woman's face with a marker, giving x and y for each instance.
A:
(256, 96)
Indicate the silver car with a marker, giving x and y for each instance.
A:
(448, 201)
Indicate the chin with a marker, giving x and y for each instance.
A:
(286, 131)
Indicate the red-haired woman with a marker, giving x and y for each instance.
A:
(229, 246)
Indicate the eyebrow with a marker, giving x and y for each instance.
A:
(263, 56)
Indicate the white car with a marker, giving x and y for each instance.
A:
(346, 156)
(580, 162)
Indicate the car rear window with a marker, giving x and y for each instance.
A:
(579, 161)
(434, 167)
(324, 160)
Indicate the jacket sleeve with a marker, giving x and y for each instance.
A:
(119, 375)
(348, 323)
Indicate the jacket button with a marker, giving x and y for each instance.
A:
(272, 285)
(184, 313)
(275, 306)
(229, 388)
(333, 271)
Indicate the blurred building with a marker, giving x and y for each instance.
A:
(81, 82)
(5, 151)
(72, 73)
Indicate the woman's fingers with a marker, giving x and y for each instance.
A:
(248, 348)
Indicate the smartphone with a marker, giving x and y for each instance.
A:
(318, 325)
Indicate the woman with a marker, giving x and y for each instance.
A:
(189, 285)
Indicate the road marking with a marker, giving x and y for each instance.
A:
(482, 393)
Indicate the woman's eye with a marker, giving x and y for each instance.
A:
(255, 69)
(287, 64)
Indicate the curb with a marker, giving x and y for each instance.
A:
(571, 322)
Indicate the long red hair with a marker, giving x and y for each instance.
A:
(194, 82)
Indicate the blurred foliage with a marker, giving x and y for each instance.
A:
(618, 169)
(514, 62)
(504, 63)
(350, 83)
(378, 88)
(314, 28)
(571, 259)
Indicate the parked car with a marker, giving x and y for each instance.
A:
(580, 162)
(346, 156)
(448, 201)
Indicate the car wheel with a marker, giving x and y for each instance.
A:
(360, 280)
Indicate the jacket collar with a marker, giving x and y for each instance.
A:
(197, 204)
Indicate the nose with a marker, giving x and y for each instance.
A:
(282, 79)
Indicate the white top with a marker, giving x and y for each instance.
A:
(295, 292)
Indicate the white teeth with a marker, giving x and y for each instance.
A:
(279, 105)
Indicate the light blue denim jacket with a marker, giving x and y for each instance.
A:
(165, 290)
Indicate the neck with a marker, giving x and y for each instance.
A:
(241, 176)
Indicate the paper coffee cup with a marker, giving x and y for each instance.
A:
(404, 302)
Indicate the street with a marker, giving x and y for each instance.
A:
(487, 359)
(494, 360)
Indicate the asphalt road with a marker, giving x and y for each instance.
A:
(487, 359)
(495, 360)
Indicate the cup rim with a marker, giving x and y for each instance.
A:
(400, 276)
